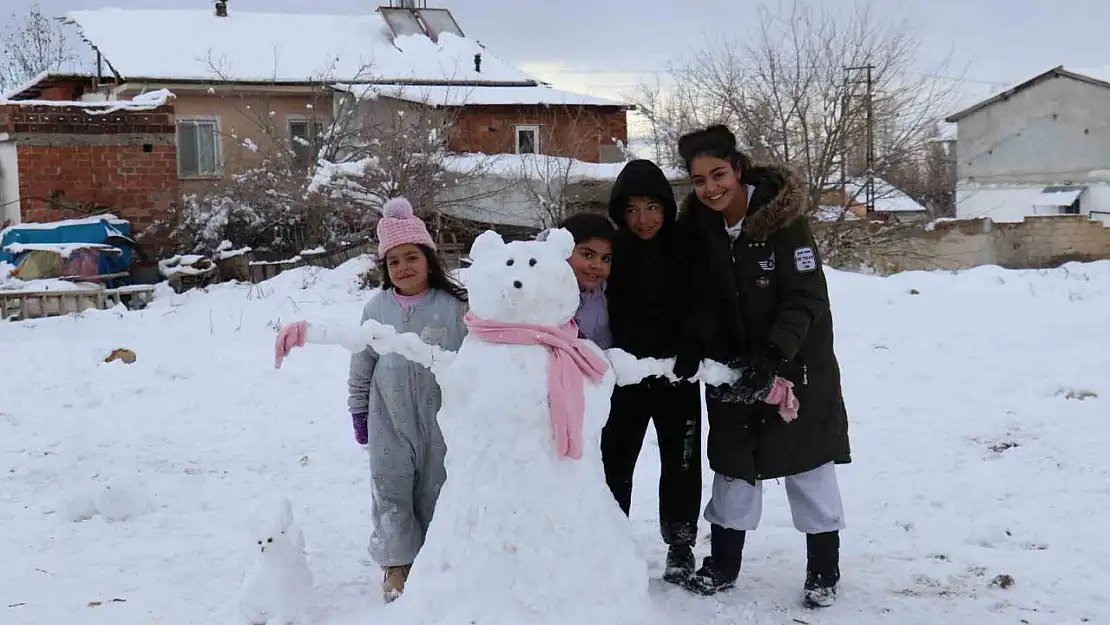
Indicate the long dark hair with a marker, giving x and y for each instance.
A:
(437, 275)
(716, 141)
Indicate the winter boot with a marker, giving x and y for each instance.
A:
(393, 581)
(721, 569)
(680, 536)
(822, 569)
(680, 564)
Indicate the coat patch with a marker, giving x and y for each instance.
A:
(769, 264)
(804, 259)
(763, 282)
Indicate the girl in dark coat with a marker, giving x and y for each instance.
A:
(654, 311)
(772, 309)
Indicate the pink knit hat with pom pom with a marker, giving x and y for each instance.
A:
(399, 226)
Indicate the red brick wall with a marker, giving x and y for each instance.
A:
(131, 183)
(72, 163)
(577, 132)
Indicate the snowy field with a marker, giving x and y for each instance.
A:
(979, 402)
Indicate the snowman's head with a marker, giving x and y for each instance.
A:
(522, 281)
(272, 524)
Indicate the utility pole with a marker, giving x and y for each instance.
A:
(854, 78)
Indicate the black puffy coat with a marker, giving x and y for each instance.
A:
(770, 289)
(657, 304)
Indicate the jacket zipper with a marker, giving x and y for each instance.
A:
(805, 375)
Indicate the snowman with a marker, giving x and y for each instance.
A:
(525, 529)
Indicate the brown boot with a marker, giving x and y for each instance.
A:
(393, 581)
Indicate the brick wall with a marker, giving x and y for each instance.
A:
(1035, 243)
(577, 132)
(71, 163)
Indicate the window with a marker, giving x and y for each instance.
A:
(527, 139)
(305, 139)
(198, 147)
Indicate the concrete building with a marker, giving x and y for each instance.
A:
(1039, 148)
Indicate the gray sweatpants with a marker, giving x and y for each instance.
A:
(814, 498)
(406, 475)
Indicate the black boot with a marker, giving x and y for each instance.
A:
(822, 569)
(721, 569)
(680, 536)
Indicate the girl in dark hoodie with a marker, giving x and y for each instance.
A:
(653, 311)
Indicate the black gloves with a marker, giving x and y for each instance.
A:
(768, 358)
(753, 386)
(686, 363)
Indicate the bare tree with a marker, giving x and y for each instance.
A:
(32, 44)
(787, 96)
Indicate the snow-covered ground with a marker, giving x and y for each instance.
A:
(978, 403)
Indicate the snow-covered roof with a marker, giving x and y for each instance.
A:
(280, 47)
(888, 199)
(539, 166)
(142, 102)
(478, 96)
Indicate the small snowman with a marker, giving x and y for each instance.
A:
(278, 590)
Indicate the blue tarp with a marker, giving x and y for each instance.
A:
(87, 230)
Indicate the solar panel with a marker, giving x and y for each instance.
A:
(439, 21)
(402, 21)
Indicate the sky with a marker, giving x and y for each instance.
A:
(608, 47)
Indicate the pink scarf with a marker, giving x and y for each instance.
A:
(571, 362)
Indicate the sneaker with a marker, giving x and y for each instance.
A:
(393, 581)
(711, 579)
(819, 591)
(680, 564)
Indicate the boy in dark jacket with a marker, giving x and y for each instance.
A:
(654, 311)
(772, 309)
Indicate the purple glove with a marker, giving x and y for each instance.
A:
(362, 434)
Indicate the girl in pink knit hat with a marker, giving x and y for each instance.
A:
(393, 402)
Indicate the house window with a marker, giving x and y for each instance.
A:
(305, 140)
(198, 152)
(527, 139)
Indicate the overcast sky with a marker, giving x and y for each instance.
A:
(607, 47)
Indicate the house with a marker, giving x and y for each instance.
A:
(248, 83)
(849, 203)
(1039, 148)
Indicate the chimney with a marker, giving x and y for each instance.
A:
(221, 8)
(478, 62)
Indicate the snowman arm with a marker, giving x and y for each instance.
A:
(383, 339)
(632, 370)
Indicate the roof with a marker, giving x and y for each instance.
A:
(888, 198)
(280, 47)
(480, 96)
(34, 87)
(1101, 78)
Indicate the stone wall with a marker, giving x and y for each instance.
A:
(1036, 243)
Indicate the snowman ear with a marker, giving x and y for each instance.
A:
(562, 240)
(486, 243)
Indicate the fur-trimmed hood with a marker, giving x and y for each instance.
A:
(778, 200)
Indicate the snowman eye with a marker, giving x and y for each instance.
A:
(269, 540)
(260, 542)
(532, 262)
(509, 263)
